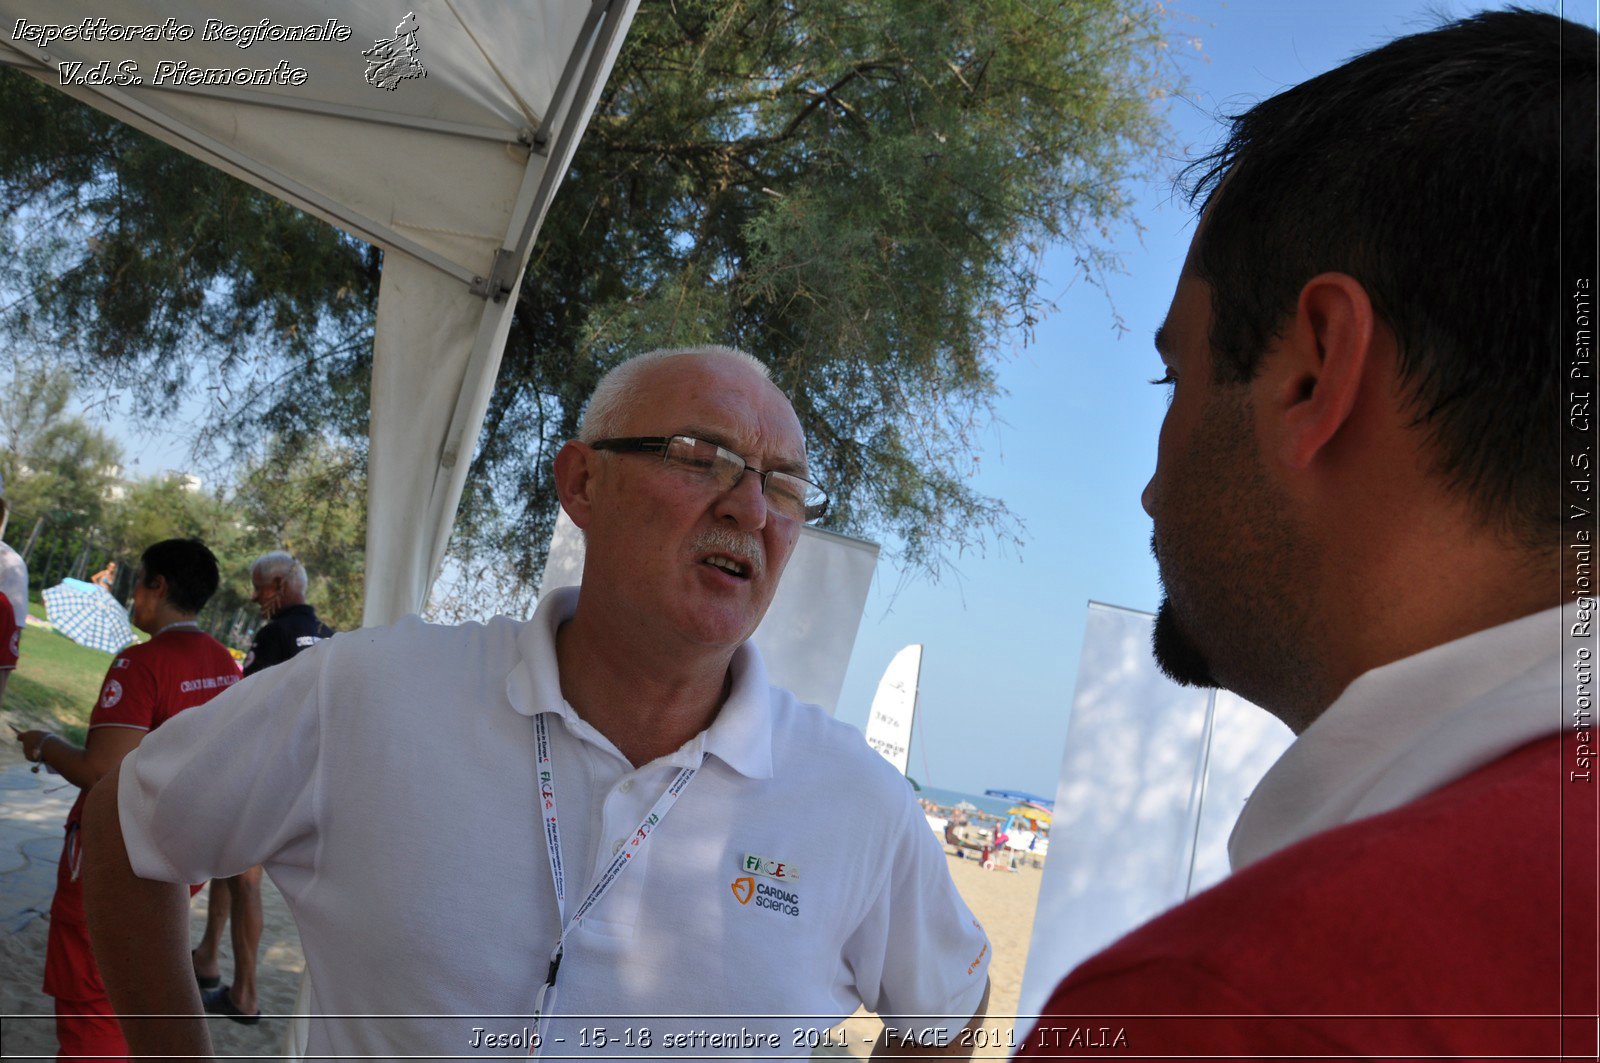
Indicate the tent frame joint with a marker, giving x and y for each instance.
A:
(497, 285)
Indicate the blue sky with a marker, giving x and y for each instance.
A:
(1002, 640)
(1077, 437)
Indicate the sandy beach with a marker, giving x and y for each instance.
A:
(1002, 901)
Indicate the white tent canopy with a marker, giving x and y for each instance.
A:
(450, 170)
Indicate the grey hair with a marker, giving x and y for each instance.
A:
(617, 392)
(277, 564)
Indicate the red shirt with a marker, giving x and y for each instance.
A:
(10, 635)
(146, 686)
(1459, 925)
(150, 683)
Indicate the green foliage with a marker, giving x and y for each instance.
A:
(56, 680)
(165, 507)
(308, 497)
(859, 193)
(57, 467)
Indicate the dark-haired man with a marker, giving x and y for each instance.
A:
(149, 683)
(1359, 522)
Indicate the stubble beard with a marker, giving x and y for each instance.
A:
(1234, 572)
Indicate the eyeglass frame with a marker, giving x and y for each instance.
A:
(663, 444)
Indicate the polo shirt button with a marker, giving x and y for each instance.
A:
(627, 784)
(616, 847)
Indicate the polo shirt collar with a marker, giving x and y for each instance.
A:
(534, 685)
(1406, 729)
(740, 736)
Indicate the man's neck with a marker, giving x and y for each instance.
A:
(283, 605)
(1420, 601)
(166, 616)
(648, 701)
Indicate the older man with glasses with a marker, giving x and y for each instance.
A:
(599, 831)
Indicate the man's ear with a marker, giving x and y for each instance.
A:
(575, 467)
(157, 585)
(1324, 354)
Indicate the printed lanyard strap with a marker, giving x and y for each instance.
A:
(552, 839)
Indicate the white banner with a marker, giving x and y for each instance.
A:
(1152, 779)
(810, 629)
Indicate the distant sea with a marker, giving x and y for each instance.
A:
(995, 806)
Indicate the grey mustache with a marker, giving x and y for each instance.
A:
(742, 545)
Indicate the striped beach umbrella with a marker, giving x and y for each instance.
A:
(87, 615)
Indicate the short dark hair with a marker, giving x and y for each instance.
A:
(189, 569)
(1432, 171)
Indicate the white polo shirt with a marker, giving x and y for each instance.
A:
(386, 778)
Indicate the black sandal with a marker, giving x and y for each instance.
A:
(220, 1002)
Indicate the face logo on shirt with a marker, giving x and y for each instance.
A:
(761, 865)
(744, 888)
(112, 695)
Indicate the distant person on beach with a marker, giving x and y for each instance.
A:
(607, 810)
(105, 577)
(147, 685)
(13, 601)
(278, 587)
(1373, 508)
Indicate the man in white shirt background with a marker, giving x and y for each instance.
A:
(13, 600)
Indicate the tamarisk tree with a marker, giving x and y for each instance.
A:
(857, 192)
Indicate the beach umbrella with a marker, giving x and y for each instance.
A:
(1021, 795)
(87, 615)
(1033, 812)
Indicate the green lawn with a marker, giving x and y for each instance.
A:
(56, 681)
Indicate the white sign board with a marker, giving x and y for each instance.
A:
(1152, 779)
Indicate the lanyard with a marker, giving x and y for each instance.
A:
(544, 1001)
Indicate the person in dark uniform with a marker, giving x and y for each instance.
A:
(279, 583)
(292, 624)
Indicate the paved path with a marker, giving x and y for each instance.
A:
(33, 809)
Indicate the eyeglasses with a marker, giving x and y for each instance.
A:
(787, 494)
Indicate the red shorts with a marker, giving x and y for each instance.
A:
(86, 1025)
(88, 1029)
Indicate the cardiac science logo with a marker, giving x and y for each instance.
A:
(16, 643)
(112, 695)
(769, 896)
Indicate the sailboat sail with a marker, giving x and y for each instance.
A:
(889, 727)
